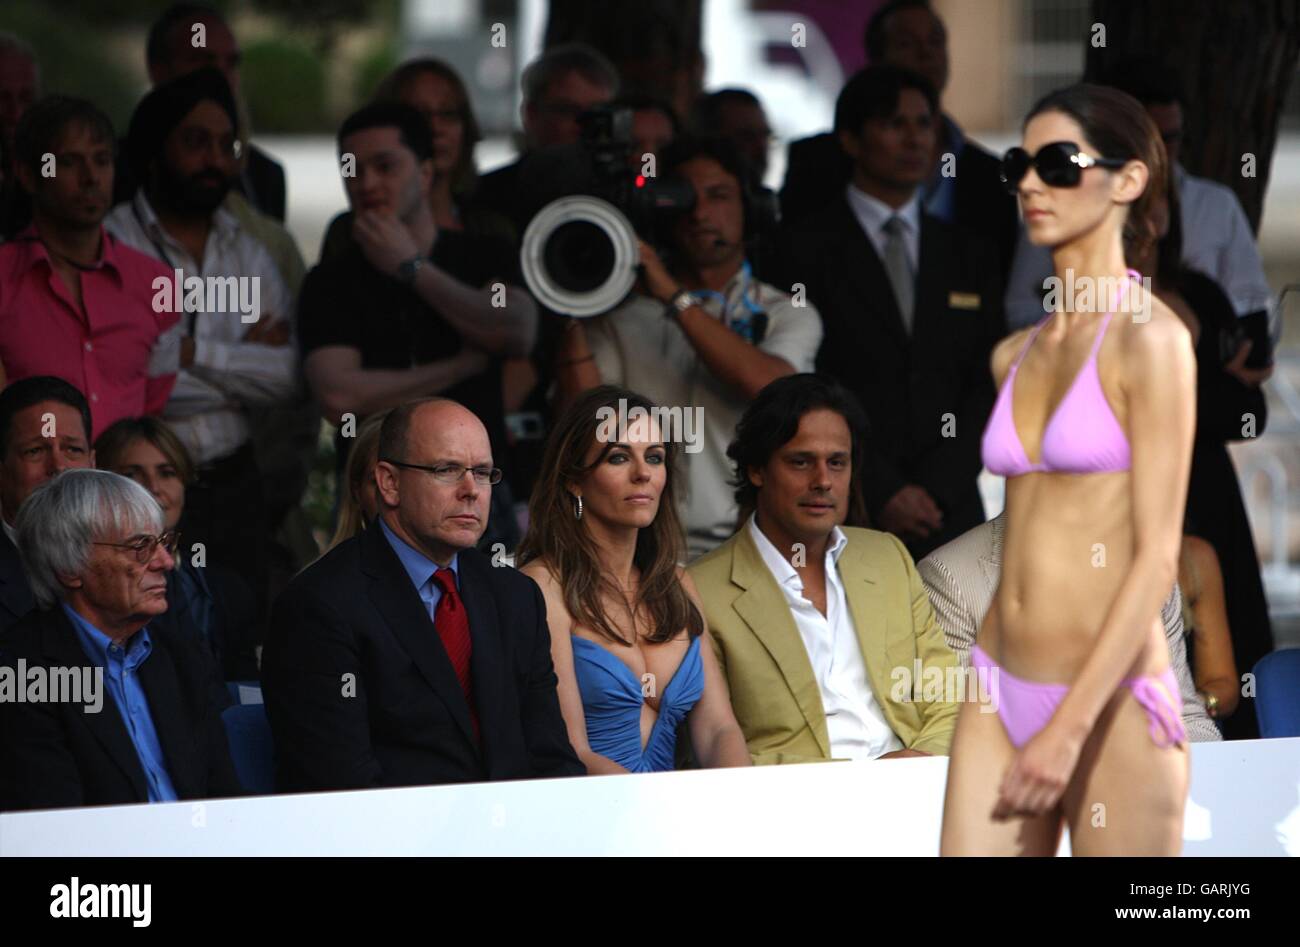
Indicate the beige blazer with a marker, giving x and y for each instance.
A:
(776, 699)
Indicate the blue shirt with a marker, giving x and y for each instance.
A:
(420, 568)
(121, 677)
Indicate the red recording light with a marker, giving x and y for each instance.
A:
(640, 180)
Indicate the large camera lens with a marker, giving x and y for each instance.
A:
(579, 256)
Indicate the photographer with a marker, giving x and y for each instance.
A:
(558, 86)
(701, 332)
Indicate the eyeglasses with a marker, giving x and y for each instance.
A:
(145, 546)
(1060, 164)
(452, 473)
(197, 139)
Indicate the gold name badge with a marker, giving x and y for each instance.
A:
(963, 300)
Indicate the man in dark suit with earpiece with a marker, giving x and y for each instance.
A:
(911, 307)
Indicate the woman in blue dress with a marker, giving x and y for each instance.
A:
(628, 637)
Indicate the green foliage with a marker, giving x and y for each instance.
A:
(319, 499)
(374, 66)
(71, 60)
(284, 85)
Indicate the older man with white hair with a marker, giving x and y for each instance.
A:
(95, 553)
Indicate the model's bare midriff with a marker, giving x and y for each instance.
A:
(1068, 548)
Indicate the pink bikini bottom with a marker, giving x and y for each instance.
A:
(1026, 706)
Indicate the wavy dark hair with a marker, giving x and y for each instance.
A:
(772, 420)
(564, 544)
(1118, 126)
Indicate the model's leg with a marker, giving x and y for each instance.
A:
(1127, 795)
(981, 753)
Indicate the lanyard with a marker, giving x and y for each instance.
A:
(752, 327)
(162, 255)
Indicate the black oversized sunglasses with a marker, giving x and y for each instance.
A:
(1059, 164)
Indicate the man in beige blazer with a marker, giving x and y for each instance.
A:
(825, 633)
(962, 577)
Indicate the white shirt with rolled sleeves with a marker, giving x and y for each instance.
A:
(855, 723)
(1216, 240)
(638, 347)
(206, 408)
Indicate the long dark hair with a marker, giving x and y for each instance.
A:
(1118, 126)
(563, 542)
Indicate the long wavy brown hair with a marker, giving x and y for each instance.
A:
(564, 543)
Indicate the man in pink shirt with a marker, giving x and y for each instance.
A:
(74, 301)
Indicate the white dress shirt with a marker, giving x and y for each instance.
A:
(854, 721)
(206, 408)
(1216, 240)
(872, 214)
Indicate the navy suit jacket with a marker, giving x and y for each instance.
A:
(56, 754)
(361, 693)
(908, 383)
(16, 598)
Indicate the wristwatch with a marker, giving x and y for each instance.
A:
(679, 303)
(407, 269)
(1211, 704)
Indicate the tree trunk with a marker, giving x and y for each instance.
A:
(1236, 59)
(654, 44)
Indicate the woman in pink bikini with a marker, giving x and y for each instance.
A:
(1093, 430)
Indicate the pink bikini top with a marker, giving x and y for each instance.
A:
(1082, 436)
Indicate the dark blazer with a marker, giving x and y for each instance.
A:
(234, 611)
(262, 181)
(55, 754)
(15, 593)
(817, 171)
(361, 693)
(499, 192)
(907, 384)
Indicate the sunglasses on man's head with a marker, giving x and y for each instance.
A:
(1059, 164)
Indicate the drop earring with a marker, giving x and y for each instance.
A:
(578, 514)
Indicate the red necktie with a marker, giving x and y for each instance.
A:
(452, 624)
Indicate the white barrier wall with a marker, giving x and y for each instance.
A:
(1245, 800)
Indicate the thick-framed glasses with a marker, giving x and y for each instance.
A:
(452, 473)
(1060, 164)
(144, 546)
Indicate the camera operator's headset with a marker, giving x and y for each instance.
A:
(752, 327)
